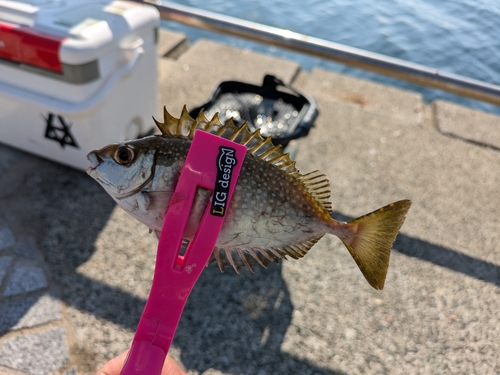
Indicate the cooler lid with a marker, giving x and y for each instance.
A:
(24, 45)
(79, 31)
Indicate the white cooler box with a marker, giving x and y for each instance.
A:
(76, 75)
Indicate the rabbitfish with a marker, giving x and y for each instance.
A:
(275, 212)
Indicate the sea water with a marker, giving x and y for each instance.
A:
(456, 36)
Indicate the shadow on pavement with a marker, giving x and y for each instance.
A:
(55, 209)
(443, 257)
(447, 258)
(241, 326)
(232, 323)
(243, 318)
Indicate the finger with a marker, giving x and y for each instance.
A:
(114, 366)
(170, 367)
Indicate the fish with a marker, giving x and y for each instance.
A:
(275, 212)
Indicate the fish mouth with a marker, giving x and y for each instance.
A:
(95, 161)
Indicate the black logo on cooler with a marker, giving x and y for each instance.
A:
(225, 164)
(60, 132)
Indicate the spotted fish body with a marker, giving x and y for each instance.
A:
(275, 211)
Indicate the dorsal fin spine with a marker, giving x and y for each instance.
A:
(237, 132)
(250, 137)
(278, 158)
(265, 154)
(257, 146)
(192, 129)
(159, 125)
(263, 148)
(315, 183)
(244, 258)
(288, 167)
(215, 120)
(320, 184)
(254, 255)
(293, 252)
(201, 116)
(220, 131)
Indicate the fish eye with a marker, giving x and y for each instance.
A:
(123, 155)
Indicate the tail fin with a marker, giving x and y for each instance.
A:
(373, 236)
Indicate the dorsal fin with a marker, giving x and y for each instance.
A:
(262, 148)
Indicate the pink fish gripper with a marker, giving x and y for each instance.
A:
(212, 163)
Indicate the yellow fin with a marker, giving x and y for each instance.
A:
(318, 186)
(372, 238)
(314, 183)
(298, 251)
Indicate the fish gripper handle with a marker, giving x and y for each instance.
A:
(212, 163)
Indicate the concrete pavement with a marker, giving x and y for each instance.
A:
(75, 270)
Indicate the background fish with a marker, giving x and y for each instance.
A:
(275, 211)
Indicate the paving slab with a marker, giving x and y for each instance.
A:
(71, 371)
(5, 262)
(25, 250)
(405, 106)
(36, 353)
(29, 312)
(24, 279)
(7, 238)
(171, 44)
(190, 79)
(465, 123)
(438, 313)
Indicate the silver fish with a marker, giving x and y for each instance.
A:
(275, 212)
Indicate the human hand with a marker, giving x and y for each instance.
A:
(114, 366)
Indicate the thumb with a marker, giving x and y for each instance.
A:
(170, 367)
(114, 366)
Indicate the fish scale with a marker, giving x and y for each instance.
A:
(276, 211)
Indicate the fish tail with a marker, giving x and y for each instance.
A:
(370, 238)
